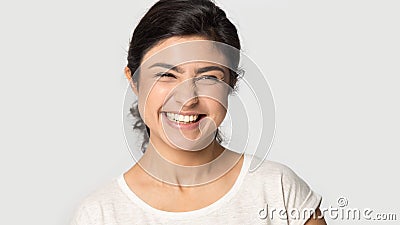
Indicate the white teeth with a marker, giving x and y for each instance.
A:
(181, 118)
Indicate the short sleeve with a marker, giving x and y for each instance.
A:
(299, 199)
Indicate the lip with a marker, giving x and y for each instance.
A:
(183, 126)
(188, 113)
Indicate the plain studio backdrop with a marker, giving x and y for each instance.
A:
(333, 67)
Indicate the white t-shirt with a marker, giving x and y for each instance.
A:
(272, 194)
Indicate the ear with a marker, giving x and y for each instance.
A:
(128, 75)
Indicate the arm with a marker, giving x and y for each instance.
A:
(316, 221)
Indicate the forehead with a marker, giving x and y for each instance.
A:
(168, 43)
(184, 50)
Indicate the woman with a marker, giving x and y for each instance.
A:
(182, 65)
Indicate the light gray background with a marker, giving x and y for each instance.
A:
(333, 67)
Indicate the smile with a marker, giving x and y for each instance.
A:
(179, 118)
(185, 121)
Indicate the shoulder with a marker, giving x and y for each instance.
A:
(91, 208)
(272, 170)
(280, 182)
(105, 193)
(275, 173)
(289, 180)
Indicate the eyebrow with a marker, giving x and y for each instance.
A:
(179, 70)
(209, 68)
(167, 66)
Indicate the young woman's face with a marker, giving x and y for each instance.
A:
(182, 102)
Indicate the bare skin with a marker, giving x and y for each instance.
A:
(174, 198)
(316, 221)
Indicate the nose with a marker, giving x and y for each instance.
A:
(185, 94)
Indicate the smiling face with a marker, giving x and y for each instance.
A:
(183, 99)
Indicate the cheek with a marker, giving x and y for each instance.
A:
(150, 101)
(218, 110)
(222, 112)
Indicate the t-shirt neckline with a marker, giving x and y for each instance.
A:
(202, 211)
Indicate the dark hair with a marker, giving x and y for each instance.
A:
(168, 18)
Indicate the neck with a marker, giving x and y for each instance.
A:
(187, 168)
(184, 157)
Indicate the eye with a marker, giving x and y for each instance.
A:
(165, 75)
(207, 79)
